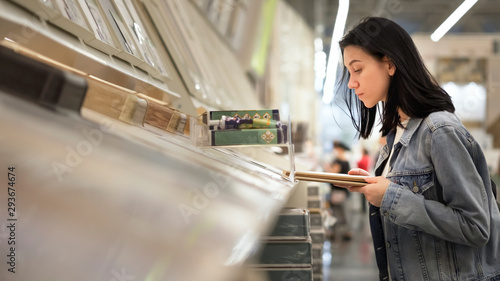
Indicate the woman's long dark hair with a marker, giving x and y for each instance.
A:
(412, 88)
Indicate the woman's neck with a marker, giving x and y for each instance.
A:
(402, 116)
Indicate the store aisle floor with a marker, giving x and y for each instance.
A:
(352, 260)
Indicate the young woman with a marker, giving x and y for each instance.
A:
(433, 215)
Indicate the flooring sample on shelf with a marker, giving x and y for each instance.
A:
(163, 17)
(106, 98)
(249, 137)
(316, 220)
(134, 111)
(121, 34)
(317, 267)
(46, 85)
(286, 253)
(317, 236)
(102, 39)
(286, 274)
(292, 223)
(71, 18)
(313, 190)
(161, 117)
(209, 68)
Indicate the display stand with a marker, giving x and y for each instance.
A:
(101, 195)
(200, 136)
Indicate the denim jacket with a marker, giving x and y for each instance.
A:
(440, 218)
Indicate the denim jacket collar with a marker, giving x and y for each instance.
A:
(410, 129)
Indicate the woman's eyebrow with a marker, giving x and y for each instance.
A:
(353, 61)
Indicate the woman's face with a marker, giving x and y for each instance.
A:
(370, 77)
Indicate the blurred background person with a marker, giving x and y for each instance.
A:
(336, 199)
(365, 163)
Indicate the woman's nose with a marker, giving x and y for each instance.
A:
(353, 84)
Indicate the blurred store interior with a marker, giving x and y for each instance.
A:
(116, 176)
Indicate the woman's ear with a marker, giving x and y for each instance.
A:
(391, 68)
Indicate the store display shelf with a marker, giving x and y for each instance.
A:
(115, 198)
(28, 30)
(105, 194)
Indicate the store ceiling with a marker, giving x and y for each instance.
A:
(416, 16)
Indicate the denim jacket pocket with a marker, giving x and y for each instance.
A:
(418, 183)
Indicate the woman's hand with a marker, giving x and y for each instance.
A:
(375, 189)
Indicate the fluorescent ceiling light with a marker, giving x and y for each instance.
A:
(333, 57)
(452, 19)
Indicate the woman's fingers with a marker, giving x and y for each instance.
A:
(355, 189)
(371, 180)
(339, 184)
(358, 172)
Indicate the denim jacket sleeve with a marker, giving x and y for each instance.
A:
(463, 218)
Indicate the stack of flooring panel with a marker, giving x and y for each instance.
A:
(317, 229)
(286, 253)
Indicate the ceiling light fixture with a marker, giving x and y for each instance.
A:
(452, 19)
(334, 56)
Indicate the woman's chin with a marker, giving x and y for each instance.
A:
(369, 105)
